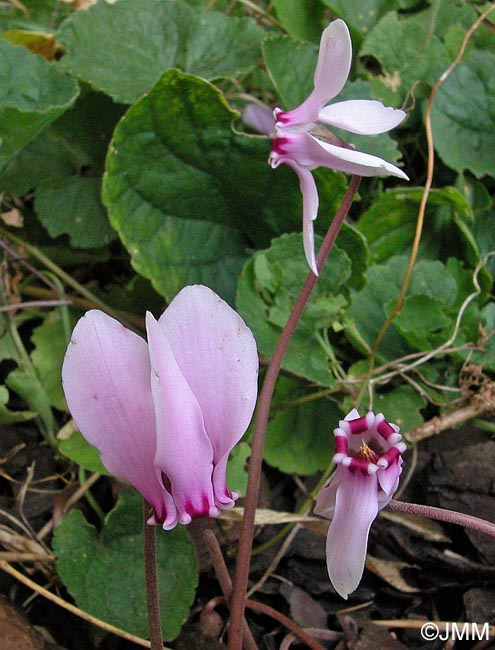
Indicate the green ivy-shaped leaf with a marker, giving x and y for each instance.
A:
(72, 205)
(187, 193)
(147, 37)
(299, 435)
(462, 116)
(104, 570)
(269, 285)
(33, 94)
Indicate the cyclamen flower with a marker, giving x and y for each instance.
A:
(301, 143)
(166, 414)
(368, 457)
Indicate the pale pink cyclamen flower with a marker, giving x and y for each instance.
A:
(368, 457)
(301, 143)
(165, 414)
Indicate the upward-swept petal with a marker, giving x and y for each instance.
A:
(217, 355)
(332, 70)
(106, 380)
(334, 60)
(183, 451)
(355, 510)
(364, 116)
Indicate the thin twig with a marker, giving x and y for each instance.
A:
(37, 304)
(450, 420)
(74, 498)
(5, 566)
(285, 621)
(251, 501)
(22, 260)
(442, 348)
(442, 626)
(83, 303)
(276, 560)
(13, 556)
(65, 277)
(429, 180)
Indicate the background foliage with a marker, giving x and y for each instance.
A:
(127, 173)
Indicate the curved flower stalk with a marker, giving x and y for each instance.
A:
(368, 457)
(299, 140)
(166, 414)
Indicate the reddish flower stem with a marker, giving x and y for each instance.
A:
(237, 604)
(223, 577)
(151, 581)
(449, 516)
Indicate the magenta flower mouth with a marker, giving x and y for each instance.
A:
(368, 455)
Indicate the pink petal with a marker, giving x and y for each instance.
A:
(363, 116)
(310, 211)
(106, 380)
(388, 480)
(224, 498)
(307, 151)
(217, 355)
(355, 162)
(334, 60)
(332, 70)
(183, 450)
(355, 510)
(259, 118)
(326, 497)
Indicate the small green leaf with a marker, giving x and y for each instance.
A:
(73, 145)
(33, 94)
(300, 18)
(237, 475)
(50, 343)
(33, 14)
(390, 223)
(76, 448)
(421, 316)
(27, 385)
(149, 36)
(369, 307)
(104, 571)
(11, 417)
(462, 116)
(8, 349)
(299, 436)
(72, 205)
(360, 15)
(401, 406)
(407, 51)
(268, 288)
(486, 356)
(291, 65)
